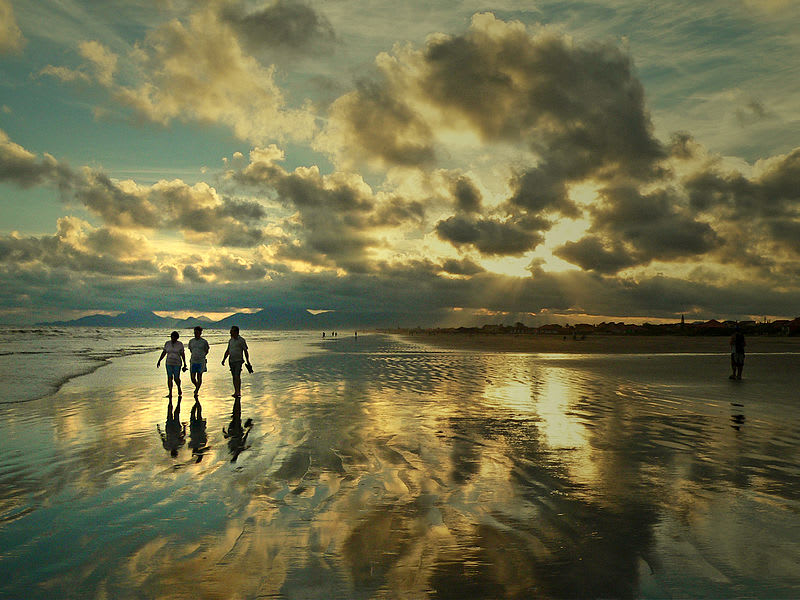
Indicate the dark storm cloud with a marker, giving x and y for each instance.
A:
(540, 190)
(385, 127)
(282, 25)
(652, 223)
(489, 236)
(464, 266)
(775, 193)
(631, 228)
(590, 254)
(580, 106)
(467, 197)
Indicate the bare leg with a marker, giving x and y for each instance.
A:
(237, 385)
(169, 385)
(178, 383)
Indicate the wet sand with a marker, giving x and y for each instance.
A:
(601, 344)
(379, 468)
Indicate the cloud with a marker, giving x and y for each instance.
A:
(464, 266)
(79, 247)
(579, 107)
(489, 236)
(196, 69)
(631, 228)
(11, 38)
(374, 124)
(591, 254)
(24, 168)
(336, 217)
(290, 26)
(467, 197)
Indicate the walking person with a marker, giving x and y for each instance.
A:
(737, 353)
(176, 356)
(237, 351)
(198, 350)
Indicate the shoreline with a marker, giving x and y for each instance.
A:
(599, 344)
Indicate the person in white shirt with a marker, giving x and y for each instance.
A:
(173, 350)
(198, 350)
(237, 350)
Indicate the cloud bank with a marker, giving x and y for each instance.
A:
(420, 189)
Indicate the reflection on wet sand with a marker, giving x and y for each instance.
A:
(173, 436)
(198, 437)
(237, 433)
(383, 470)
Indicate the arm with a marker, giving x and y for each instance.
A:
(227, 352)
(160, 358)
(246, 355)
(183, 358)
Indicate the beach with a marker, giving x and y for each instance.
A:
(389, 467)
(599, 343)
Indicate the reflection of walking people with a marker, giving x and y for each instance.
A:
(173, 350)
(237, 433)
(737, 353)
(237, 351)
(198, 438)
(174, 434)
(198, 350)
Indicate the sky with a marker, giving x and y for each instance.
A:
(449, 163)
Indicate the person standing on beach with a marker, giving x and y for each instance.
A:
(173, 350)
(198, 350)
(737, 353)
(237, 350)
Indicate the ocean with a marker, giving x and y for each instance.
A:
(374, 467)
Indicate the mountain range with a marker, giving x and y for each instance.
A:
(276, 318)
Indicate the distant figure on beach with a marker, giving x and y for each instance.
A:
(173, 350)
(198, 438)
(237, 433)
(174, 434)
(237, 350)
(198, 350)
(737, 353)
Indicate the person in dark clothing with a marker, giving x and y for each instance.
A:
(737, 353)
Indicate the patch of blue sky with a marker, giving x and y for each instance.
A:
(33, 211)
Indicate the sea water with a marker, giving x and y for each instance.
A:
(376, 468)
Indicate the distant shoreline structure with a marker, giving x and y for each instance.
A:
(779, 327)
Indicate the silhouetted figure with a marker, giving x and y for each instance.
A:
(198, 350)
(173, 350)
(737, 353)
(237, 433)
(174, 434)
(198, 438)
(323, 334)
(237, 350)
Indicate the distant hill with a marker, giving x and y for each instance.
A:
(131, 318)
(275, 318)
